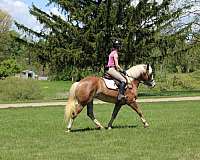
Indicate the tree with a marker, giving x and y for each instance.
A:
(84, 37)
(5, 21)
(12, 53)
(9, 48)
(9, 67)
(5, 24)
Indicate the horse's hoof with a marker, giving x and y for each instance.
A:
(101, 127)
(98, 128)
(146, 125)
(109, 128)
(68, 130)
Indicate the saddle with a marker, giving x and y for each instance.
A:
(110, 82)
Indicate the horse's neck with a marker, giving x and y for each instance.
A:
(135, 71)
(135, 83)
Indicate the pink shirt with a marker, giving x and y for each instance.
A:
(112, 57)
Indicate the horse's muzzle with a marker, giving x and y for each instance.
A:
(150, 83)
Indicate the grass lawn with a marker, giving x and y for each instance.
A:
(38, 133)
(54, 90)
(49, 90)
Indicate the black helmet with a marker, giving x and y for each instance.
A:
(116, 44)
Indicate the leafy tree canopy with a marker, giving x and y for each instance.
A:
(84, 37)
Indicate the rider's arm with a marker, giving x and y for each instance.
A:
(116, 62)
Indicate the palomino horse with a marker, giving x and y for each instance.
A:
(83, 92)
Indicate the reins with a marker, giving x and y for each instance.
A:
(137, 79)
(133, 78)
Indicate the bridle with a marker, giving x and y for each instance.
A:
(143, 82)
(133, 78)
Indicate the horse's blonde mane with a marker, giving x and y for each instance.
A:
(136, 71)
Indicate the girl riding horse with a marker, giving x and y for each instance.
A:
(114, 69)
(83, 92)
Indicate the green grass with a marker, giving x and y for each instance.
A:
(38, 133)
(49, 90)
(54, 90)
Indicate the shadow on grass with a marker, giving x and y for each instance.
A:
(124, 126)
(106, 128)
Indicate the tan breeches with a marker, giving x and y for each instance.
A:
(115, 74)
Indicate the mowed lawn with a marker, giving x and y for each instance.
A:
(38, 134)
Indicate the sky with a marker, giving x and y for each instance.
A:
(19, 10)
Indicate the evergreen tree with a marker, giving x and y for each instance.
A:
(84, 38)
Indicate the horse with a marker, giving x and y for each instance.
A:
(82, 94)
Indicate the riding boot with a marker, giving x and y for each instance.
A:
(121, 91)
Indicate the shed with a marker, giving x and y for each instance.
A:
(28, 74)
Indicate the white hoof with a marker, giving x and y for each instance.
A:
(109, 128)
(146, 125)
(68, 130)
(100, 127)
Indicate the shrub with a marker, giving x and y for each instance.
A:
(19, 89)
(9, 67)
(173, 82)
(75, 74)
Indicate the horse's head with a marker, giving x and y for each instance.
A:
(143, 73)
(147, 77)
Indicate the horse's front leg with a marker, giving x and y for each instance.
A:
(134, 105)
(114, 114)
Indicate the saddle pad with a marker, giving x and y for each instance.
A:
(110, 84)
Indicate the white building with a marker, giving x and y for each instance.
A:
(28, 74)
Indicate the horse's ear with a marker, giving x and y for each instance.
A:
(148, 67)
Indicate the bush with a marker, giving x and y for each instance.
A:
(171, 82)
(75, 74)
(19, 89)
(9, 67)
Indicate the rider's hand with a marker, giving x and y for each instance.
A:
(124, 72)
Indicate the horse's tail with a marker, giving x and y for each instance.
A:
(70, 107)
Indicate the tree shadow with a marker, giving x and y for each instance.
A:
(88, 129)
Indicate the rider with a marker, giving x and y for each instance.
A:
(114, 69)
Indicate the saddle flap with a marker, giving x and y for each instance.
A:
(113, 84)
(110, 84)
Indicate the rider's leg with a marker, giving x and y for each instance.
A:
(121, 91)
(115, 74)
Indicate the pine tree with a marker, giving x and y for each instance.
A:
(84, 38)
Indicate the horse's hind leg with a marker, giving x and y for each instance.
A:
(69, 126)
(79, 108)
(136, 108)
(90, 114)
